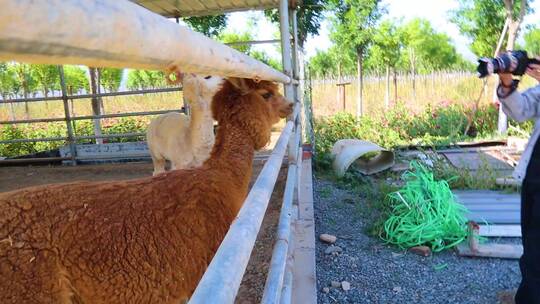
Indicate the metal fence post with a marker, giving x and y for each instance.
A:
(286, 57)
(67, 116)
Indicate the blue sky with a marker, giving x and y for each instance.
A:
(436, 11)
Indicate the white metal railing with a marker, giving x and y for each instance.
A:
(222, 279)
(276, 282)
(116, 33)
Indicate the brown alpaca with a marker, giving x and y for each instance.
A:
(140, 241)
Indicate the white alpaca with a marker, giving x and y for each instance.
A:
(185, 141)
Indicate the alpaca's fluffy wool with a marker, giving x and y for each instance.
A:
(185, 141)
(140, 241)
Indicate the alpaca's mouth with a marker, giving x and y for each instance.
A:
(286, 111)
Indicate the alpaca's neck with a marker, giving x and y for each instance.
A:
(201, 123)
(233, 155)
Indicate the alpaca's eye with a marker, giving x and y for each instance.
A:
(267, 95)
(207, 77)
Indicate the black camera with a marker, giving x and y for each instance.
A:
(515, 62)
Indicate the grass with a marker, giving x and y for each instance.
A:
(435, 89)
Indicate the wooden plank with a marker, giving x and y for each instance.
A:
(500, 230)
(503, 251)
(305, 279)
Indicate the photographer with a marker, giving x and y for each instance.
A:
(521, 107)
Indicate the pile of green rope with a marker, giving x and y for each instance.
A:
(424, 212)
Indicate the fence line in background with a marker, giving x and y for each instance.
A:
(88, 96)
(71, 138)
(446, 75)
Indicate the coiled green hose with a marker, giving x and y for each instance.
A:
(425, 212)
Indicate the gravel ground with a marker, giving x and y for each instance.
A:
(383, 274)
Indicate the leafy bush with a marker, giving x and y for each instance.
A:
(399, 127)
(58, 129)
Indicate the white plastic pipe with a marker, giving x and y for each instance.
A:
(104, 33)
(222, 278)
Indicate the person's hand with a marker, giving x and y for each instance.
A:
(533, 70)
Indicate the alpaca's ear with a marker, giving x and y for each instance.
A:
(240, 84)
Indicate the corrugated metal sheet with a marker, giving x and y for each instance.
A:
(177, 8)
(494, 207)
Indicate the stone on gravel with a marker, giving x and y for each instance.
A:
(335, 284)
(346, 285)
(332, 249)
(328, 238)
(326, 290)
(421, 250)
(397, 289)
(396, 255)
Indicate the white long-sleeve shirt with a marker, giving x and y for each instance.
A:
(520, 107)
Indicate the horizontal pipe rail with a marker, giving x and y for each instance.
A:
(32, 160)
(221, 280)
(286, 297)
(253, 42)
(276, 273)
(124, 93)
(88, 96)
(38, 120)
(146, 113)
(111, 136)
(104, 33)
(27, 140)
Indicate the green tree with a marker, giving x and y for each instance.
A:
(230, 37)
(76, 79)
(23, 74)
(532, 41)
(134, 80)
(145, 79)
(47, 77)
(110, 78)
(322, 64)
(309, 17)
(265, 58)
(425, 49)
(353, 27)
(7, 84)
(386, 52)
(210, 26)
(7, 81)
(483, 21)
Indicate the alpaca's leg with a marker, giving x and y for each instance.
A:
(159, 165)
